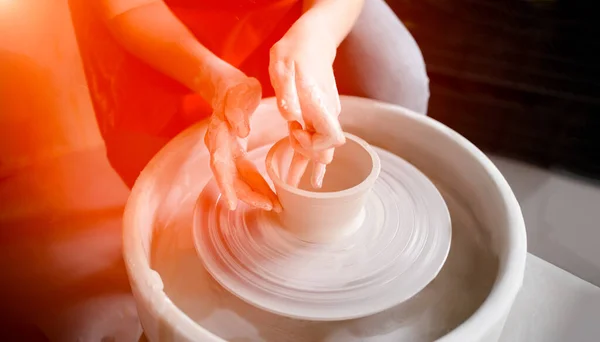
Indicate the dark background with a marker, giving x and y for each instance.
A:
(518, 78)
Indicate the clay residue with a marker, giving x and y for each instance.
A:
(463, 284)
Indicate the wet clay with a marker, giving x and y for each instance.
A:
(337, 177)
(459, 289)
(393, 243)
(333, 211)
(476, 287)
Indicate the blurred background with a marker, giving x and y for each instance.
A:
(521, 80)
(518, 78)
(60, 201)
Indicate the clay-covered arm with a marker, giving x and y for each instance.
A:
(332, 19)
(149, 30)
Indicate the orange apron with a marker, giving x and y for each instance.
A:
(139, 109)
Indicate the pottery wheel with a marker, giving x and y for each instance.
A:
(399, 249)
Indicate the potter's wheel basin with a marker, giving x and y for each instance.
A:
(157, 236)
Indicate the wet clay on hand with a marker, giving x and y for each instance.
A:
(307, 93)
(301, 71)
(235, 101)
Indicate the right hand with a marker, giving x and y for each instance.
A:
(235, 99)
(301, 71)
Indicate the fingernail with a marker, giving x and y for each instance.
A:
(318, 175)
(243, 131)
(267, 206)
(320, 181)
(232, 200)
(232, 205)
(277, 207)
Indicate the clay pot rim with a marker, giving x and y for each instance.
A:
(365, 183)
(148, 288)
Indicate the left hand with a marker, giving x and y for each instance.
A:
(301, 71)
(236, 97)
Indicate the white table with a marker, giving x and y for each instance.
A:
(553, 306)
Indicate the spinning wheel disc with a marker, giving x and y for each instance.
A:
(400, 247)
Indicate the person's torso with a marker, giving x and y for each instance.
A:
(129, 95)
(233, 29)
(222, 4)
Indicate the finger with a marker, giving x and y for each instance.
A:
(299, 149)
(301, 136)
(323, 115)
(250, 175)
(299, 139)
(223, 168)
(328, 133)
(240, 103)
(250, 197)
(320, 166)
(318, 174)
(297, 169)
(218, 140)
(283, 80)
(325, 157)
(294, 126)
(238, 121)
(224, 177)
(301, 143)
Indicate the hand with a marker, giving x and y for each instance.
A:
(236, 98)
(301, 71)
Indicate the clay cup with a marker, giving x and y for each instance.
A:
(336, 209)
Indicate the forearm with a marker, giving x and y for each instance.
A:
(333, 18)
(150, 31)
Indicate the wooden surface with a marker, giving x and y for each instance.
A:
(518, 78)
